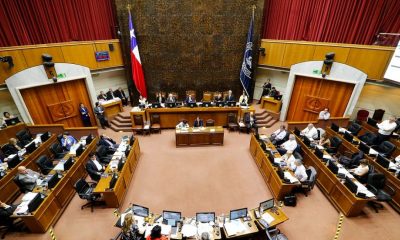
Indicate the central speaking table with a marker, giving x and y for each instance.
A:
(199, 136)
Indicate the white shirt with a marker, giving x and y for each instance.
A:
(290, 145)
(279, 134)
(182, 125)
(361, 170)
(142, 101)
(98, 165)
(324, 115)
(385, 127)
(243, 99)
(289, 161)
(300, 173)
(310, 133)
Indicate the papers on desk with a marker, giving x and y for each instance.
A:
(146, 127)
(73, 148)
(320, 147)
(234, 227)
(278, 160)
(59, 166)
(263, 137)
(22, 208)
(373, 152)
(39, 182)
(196, 130)
(343, 130)
(212, 130)
(393, 166)
(327, 156)
(268, 218)
(184, 129)
(205, 227)
(21, 152)
(136, 109)
(241, 124)
(362, 189)
(189, 230)
(291, 178)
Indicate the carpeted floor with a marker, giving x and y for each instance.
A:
(217, 178)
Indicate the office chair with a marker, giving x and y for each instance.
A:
(207, 97)
(354, 128)
(308, 185)
(274, 234)
(21, 187)
(369, 138)
(59, 137)
(57, 151)
(378, 114)
(102, 155)
(85, 191)
(8, 224)
(335, 144)
(210, 123)
(351, 160)
(138, 120)
(362, 115)
(155, 123)
(24, 136)
(45, 165)
(376, 183)
(386, 148)
(232, 122)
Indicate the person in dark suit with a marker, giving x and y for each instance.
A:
(121, 95)
(273, 92)
(27, 178)
(230, 97)
(85, 116)
(109, 143)
(170, 99)
(218, 98)
(110, 94)
(160, 98)
(94, 167)
(11, 147)
(99, 111)
(190, 99)
(102, 96)
(5, 214)
(198, 122)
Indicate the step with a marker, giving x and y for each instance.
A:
(123, 129)
(124, 120)
(265, 115)
(124, 115)
(120, 124)
(260, 113)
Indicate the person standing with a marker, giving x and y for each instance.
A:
(85, 116)
(99, 111)
(110, 94)
(266, 88)
(386, 128)
(324, 114)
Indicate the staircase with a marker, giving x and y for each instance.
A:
(265, 119)
(122, 122)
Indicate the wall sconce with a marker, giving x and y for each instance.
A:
(9, 60)
(262, 51)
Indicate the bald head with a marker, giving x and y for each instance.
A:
(310, 126)
(22, 170)
(292, 137)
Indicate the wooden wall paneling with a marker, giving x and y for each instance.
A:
(82, 54)
(19, 64)
(296, 53)
(341, 53)
(33, 56)
(274, 53)
(115, 56)
(339, 93)
(372, 62)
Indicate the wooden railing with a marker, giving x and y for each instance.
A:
(340, 121)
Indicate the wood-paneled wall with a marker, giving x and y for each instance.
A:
(311, 95)
(372, 60)
(43, 102)
(81, 53)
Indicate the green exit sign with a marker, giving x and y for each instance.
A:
(316, 71)
(61, 75)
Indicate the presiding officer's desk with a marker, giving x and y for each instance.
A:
(112, 107)
(199, 136)
(115, 196)
(392, 180)
(271, 105)
(333, 188)
(278, 188)
(8, 189)
(57, 199)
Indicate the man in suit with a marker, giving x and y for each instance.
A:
(67, 141)
(230, 97)
(170, 99)
(5, 214)
(160, 98)
(266, 89)
(102, 96)
(27, 178)
(99, 111)
(198, 122)
(11, 147)
(94, 168)
(218, 98)
(121, 95)
(110, 94)
(109, 143)
(190, 99)
(273, 92)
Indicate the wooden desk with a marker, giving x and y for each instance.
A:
(339, 195)
(271, 105)
(278, 188)
(8, 189)
(9, 132)
(279, 217)
(58, 198)
(112, 108)
(114, 197)
(199, 136)
(249, 230)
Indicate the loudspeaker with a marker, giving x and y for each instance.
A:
(326, 68)
(49, 67)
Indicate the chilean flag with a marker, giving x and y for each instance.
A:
(137, 71)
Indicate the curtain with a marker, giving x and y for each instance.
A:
(25, 22)
(340, 21)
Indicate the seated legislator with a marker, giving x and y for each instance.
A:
(386, 128)
(310, 131)
(198, 122)
(27, 178)
(109, 143)
(205, 236)
(189, 99)
(300, 171)
(273, 92)
(324, 114)
(218, 98)
(156, 234)
(361, 170)
(289, 145)
(277, 136)
(67, 141)
(102, 96)
(324, 141)
(170, 99)
(289, 159)
(142, 100)
(94, 168)
(119, 93)
(11, 147)
(160, 98)
(5, 214)
(110, 94)
(243, 99)
(183, 124)
(6, 116)
(130, 231)
(230, 97)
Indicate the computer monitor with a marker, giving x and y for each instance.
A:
(52, 182)
(12, 121)
(278, 97)
(30, 147)
(384, 162)
(89, 139)
(220, 103)
(319, 153)
(68, 164)
(13, 162)
(351, 185)
(155, 105)
(333, 167)
(296, 132)
(205, 217)
(348, 136)
(45, 136)
(372, 122)
(131, 140)
(120, 164)
(257, 136)
(335, 127)
(206, 104)
(192, 104)
(171, 104)
(363, 147)
(280, 173)
(238, 213)
(140, 210)
(79, 150)
(307, 141)
(263, 146)
(231, 103)
(266, 205)
(35, 202)
(271, 156)
(113, 181)
(172, 217)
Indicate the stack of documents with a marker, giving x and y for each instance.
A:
(373, 152)
(234, 227)
(268, 218)
(189, 230)
(362, 189)
(205, 227)
(291, 178)
(22, 208)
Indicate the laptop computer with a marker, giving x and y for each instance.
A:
(12, 121)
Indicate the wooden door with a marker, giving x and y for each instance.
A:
(58, 103)
(311, 95)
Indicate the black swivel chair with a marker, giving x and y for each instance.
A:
(24, 136)
(85, 191)
(354, 128)
(102, 154)
(59, 137)
(351, 160)
(57, 150)
(369, 138)
(45, 164)
(335, 144)
(308, 185)
(386, 148)
(8, 224)
(376, 183)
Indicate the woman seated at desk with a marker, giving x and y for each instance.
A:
(324, 141)
(130, 230)
(361, 170)
(156, 234)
